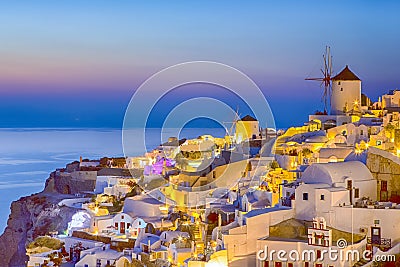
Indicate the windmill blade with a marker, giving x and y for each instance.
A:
(314, 79)
(325, 64)
(329, 59)
(326, 71)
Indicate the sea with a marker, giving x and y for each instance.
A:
(28, 155)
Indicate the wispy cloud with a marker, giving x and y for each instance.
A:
(19, 185)
(11, 161)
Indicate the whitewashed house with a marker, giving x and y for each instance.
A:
(256, 199)
(99, 257)
(332, 184)
(122, 222)
(138, 225)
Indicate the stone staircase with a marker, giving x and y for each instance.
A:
(198, 238)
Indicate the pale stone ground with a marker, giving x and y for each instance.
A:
(243, 261)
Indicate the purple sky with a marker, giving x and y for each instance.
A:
(77, 63)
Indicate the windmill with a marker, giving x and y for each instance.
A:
(236, 118)
(327, 77)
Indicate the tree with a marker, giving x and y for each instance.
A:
(274, 165)
(389, 130)
(306, 152)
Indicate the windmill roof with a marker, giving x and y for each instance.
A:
(346, 75)
(248, 118)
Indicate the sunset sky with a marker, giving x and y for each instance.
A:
(77, 63)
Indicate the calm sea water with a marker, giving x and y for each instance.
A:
(27, 156)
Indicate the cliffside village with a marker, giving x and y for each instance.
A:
(220, 201)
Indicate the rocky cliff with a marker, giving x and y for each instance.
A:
(40, 214)
(30, 217)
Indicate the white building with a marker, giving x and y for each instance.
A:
(346, 92)
(241, 241)
(101, 257)
(332, 184)
(137, 162)
(391, 100)
(143, 206)
(338, 154)
(89, 164)
(256, 199)
(118, 190)
(101, 224)
(138, 226)
(113, 185)
(37, 260)
(353, 134)
(122, 222)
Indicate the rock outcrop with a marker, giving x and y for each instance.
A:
(30, 217)
(40, 214)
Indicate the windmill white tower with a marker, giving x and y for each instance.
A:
(346, 93)
(342, 91)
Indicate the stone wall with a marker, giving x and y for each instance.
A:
(385, 166)
(76, 182)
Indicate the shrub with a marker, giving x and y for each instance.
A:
(45, 241)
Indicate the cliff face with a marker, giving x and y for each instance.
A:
(31, 217)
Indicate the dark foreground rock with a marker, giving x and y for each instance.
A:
(30, 217)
